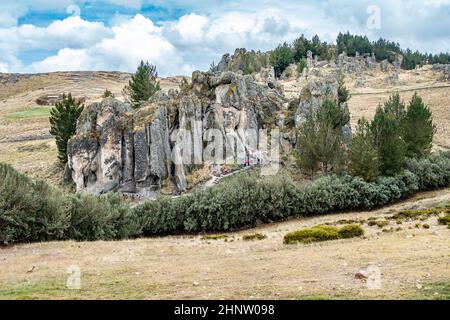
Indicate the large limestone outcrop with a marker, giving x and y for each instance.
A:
(160, 144)
(101, 152)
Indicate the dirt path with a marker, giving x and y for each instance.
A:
(188, 267)
(408, 89)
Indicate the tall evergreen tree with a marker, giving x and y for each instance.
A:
(63, 122)
(343, 92)
(363, 154)
(387, 131)
(418, 128)
(320, 139)
(329, 141)
(396, 108)
(300, 48)
(142, 85)
(307, 151)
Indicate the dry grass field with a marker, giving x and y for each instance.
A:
(414, 263)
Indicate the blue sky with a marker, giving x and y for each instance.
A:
(185, 35)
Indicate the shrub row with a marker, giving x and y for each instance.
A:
(248, 199)
(32, 211)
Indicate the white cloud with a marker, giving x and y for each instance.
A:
(210, 29)
(131, 41)
(65, 60)
(70, 32)
(3, 67)
(191, 27)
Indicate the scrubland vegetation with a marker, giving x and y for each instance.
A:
(33, 211)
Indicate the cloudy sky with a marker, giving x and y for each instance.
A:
(180, 36)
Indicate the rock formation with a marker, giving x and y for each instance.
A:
(140, 152)
(321, 84)
(165, 142)
(444, 68)
(356, 64)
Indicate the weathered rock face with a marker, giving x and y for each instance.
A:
(444, 68)
(117, 149)
(242, 61)
(318, 86)
(385, 66)
(101, 153)
(356, 64)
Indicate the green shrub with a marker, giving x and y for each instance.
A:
(245, 199)
(29, 210)
(313, 234)
(417, 214)
(323, 233)
(350, 221)
(254, 236)
(240, 201)
(350, 231)
(382, 224)
(100, 218)
(432, 172)
(302, 64)
(107, 94)
(214, 237)
(445, 220)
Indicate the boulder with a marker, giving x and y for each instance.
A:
(385, 66)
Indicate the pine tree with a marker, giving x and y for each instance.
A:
(389, 142)
(329, 140)
(363, 154)
(281, 58)
(307, 157)
(107, 94)
(300, 48)
(418, 128)
(396, 108)
(302, 64)
(63, 121)
(343, 92)
(320, 138)
(142, 86)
